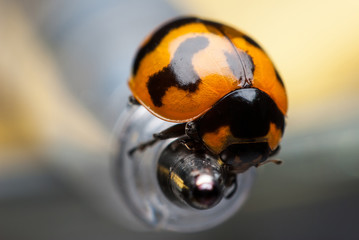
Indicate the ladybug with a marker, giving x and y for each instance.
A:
(218, 85)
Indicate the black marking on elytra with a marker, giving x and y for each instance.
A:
(158, 84)
(157, 37)
(241, 65)
(248, 111)
(217, 25)
(235, 65)
(251, 41)
(278, 77)
(179, 72)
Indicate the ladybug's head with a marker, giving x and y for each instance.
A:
(243, 128)
(240, 157)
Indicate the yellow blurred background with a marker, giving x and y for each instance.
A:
(36, 110)
(314, 45)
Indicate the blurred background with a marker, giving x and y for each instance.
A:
(62, 64)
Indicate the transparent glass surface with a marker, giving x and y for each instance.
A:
(138, 186)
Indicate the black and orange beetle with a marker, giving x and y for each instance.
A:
(220, 87)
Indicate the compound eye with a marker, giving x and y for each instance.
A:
(228, 155)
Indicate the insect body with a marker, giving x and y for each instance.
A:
(218, 85)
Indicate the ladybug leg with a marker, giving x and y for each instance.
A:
(142, 146)
(133, 101)
(171, 132)
(192, 141)
(188, 143)
(191, 131)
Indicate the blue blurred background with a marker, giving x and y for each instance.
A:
(63, 63)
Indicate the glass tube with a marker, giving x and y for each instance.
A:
(141, 190)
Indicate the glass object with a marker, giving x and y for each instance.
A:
(143, 190)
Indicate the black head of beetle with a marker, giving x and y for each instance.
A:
(240, 128)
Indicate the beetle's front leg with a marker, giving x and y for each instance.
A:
(174, 131)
